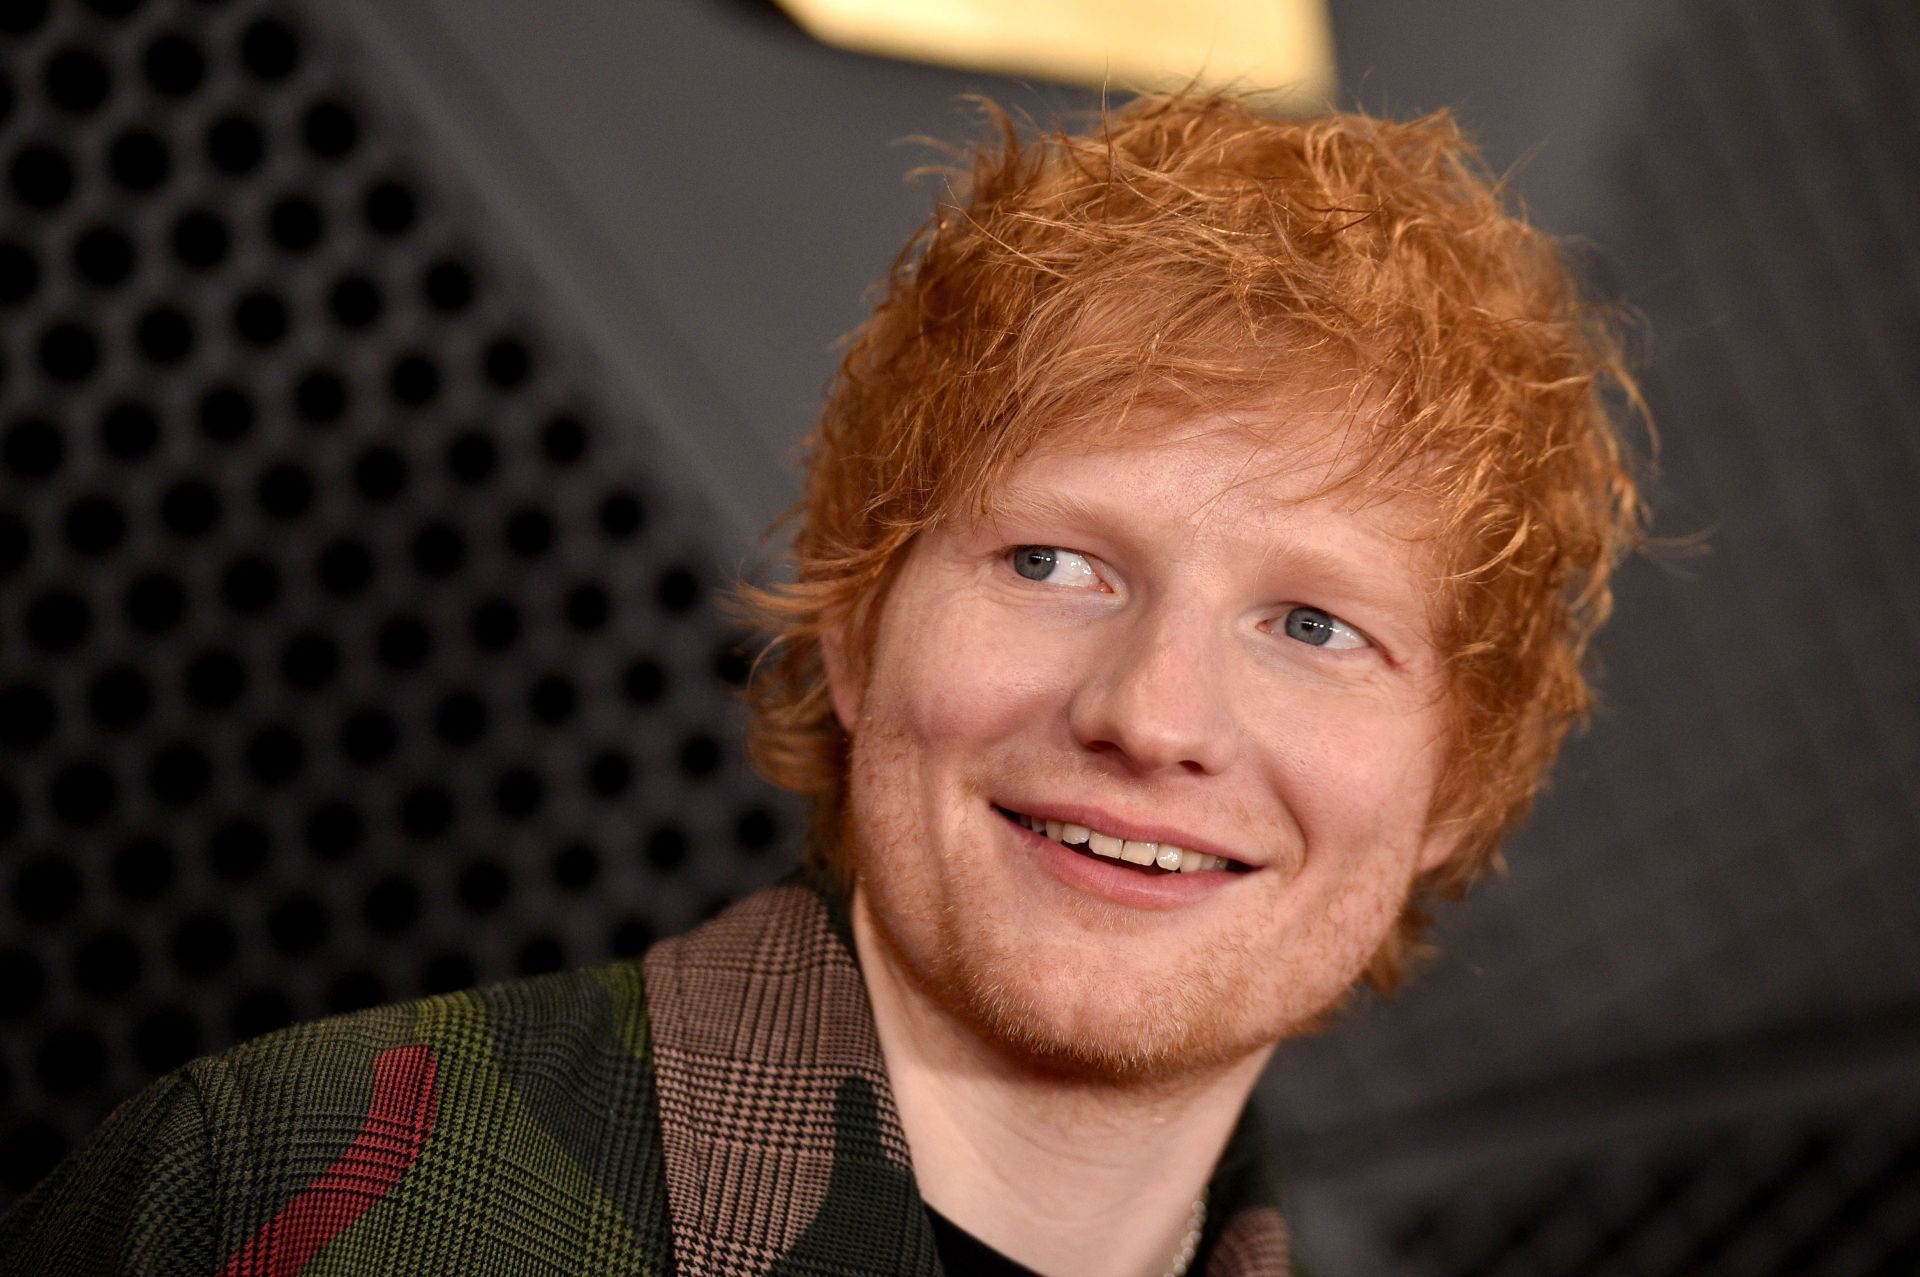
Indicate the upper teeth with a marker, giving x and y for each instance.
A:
(1164, 854)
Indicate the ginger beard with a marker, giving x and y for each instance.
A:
(1158, 687)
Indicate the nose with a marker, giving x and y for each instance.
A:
(1153, 696)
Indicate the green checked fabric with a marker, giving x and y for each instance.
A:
(720, 1108)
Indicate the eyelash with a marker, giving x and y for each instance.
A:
(1047, 557)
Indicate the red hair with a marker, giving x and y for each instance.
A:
(1186, 256)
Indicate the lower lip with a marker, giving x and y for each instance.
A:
(1118, 881)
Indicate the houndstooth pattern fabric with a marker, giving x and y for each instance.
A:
(721, 1109)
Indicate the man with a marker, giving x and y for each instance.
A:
(1197, 555)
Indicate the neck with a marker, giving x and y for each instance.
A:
(1067, 1174)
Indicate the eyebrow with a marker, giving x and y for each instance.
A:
(1044, 505)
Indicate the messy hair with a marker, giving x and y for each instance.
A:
(1193, 254)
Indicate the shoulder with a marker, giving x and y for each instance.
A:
(490, 1106)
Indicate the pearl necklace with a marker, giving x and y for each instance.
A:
(1190, 1244)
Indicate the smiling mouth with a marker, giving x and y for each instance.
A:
(1143, 857)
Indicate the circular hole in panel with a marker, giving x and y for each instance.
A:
(58, 621)
(345, 567)
(285, 490)
(392, 904)
(552, 699)
(200, 239)
(250, 585)
(678, 590)
(755, 830)
(260, 318)
(190, 507)
(33, 448)
(448, 285)
(22, 17)
(27, 716)
(517, 793)
(295, 224)
(107, 964)
(77, 81)
(30, 1150)
(142, 868)
(588, 607)
(129, 430)
(355, 301)
(403, 643)
(298, 925)
(426, 811)
(165, 1038)
(389, 207)
(139, 161)
(118, 697)
(610, 773)
(259, 1011)
(529, 531)
(334, 830)
(275, 754)
(414, 380)
(563, 440)
(269, 49)
(439, 549)
(179, 773)
(16, 544)
(368, 736)
(460, 719)
(330, 129)
(666, 848)
(41, 176)
(94, 524)
(239, 849)
(103, 257)
(82, 793)
(541, 955)
(644, 682)
(70, 1061)
(226, 414)
(309, 660)
(494, 625)
(471, 457)
(203, 945)
(165, 335)
(19, 274)
(632, 936)
(173, 65)
(483, 886)
(215, 680)
(355, 991)
(380, 473)
(577, 867)
(506, 362)
(235, 146)
(46, 889)
(320, 397)
(69, 352)
(448, 973)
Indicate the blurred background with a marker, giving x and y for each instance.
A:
(390, 389)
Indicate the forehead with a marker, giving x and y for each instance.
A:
(1303, 462)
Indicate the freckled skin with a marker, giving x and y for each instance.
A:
(1169, 691)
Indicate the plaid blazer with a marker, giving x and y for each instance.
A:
(719, 1108)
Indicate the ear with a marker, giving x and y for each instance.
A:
(844, 683)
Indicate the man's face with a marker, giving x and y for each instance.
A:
(1169, 641)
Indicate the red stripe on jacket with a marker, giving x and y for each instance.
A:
(399, 1119)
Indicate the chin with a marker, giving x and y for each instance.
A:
(1040, 1007)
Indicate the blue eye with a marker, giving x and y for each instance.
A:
(1051, 565)
(1318, 629)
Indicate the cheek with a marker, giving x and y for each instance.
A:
(950, 679)
(1356, 775)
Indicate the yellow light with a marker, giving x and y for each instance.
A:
(1281, 47)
